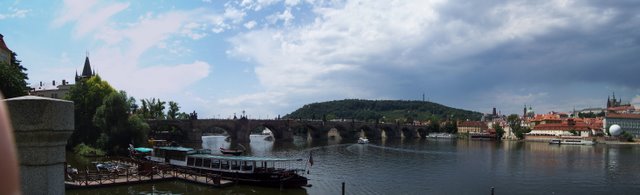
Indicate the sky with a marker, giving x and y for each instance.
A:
(270, 57)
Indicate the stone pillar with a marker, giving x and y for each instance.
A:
(41, 128)
(242, 131)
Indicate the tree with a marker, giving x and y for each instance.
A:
(499, 131)
(144, 110)
(153, 108)
(627, 136)
(434, 126)
(449, 127)
(516, 126)
(13, 78)
(172, 113)
(120, 128)
(182, 116)
(87, 95)
(574, 132)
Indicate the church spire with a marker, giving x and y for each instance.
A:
(86, 70)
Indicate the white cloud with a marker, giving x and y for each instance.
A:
(118, 61)
(14, 13)
(291, 2)
(88, 16)
(285, 16)
(257, 5)
(249, 25)
(233, 14)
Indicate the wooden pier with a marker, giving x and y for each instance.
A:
(135, 175)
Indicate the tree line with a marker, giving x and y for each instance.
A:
(110, 120)
(382, 111)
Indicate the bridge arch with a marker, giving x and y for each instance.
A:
(390, 132)
(409, 132)
(422, 132)
(370, 132)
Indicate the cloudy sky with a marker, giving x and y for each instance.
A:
(269, 57)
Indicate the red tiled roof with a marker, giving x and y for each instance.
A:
(619, 115)
(562, 126)
(621, 108)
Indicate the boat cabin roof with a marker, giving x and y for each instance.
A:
(179, 149)
(243, 158)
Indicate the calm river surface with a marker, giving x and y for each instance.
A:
(433, 167)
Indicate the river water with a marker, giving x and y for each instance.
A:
(430, 166)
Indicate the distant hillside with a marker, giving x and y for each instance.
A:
(383, 110)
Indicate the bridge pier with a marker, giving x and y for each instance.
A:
(242, 131)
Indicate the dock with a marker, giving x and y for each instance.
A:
(135, 175)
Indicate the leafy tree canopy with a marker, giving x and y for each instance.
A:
(121, 129)
(13, 78)
(87, 95)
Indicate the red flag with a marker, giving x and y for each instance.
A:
(310, 158)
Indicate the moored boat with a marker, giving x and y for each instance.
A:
(571, 142)
(262, 171)
(231, 152)
(442, 135)
(363, 140)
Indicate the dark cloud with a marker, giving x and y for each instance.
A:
(480, 54)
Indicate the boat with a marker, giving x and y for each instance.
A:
(442, 135)
(266, 132)
(363, 140)
(250, 170)
(571, 142)
(237, 152)
(139, 151)
(482, 136)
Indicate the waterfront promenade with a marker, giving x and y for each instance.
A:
(133, 174)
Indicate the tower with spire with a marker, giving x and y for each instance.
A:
(86, 70)
(613, 102)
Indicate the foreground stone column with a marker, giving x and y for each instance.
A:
(41, 128)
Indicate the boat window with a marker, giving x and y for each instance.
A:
(207, 163)
(235, 165)
(190, 161)
(215, 164)
(159, 152)
(198, 162)
(225, 165)
(246, 166)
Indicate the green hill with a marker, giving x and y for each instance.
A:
(383, 110)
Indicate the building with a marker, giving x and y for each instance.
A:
(568, 127)
(60, 91)
(616, 106)
(52, 91)
(472, 127)
(5, 52)
(628, 122)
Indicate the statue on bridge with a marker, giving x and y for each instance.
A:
(193, 115)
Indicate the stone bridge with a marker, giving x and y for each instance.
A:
(284, 130)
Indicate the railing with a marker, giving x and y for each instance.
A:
(138, 172)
